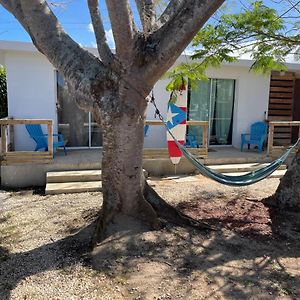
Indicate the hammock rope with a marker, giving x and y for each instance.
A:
(231, 180)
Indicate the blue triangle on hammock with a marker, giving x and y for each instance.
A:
(179, 116)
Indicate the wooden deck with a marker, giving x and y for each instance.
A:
(11, 157)
(274, 147)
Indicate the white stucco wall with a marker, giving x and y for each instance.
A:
(251, 102)
(1, 58)
(31, 92)
(156, 137)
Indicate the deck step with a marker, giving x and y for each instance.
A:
(73, 187)
(276, 174)
(233, 168)
(74, 181)
(73, 176)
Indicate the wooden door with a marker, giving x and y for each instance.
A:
(281, 104)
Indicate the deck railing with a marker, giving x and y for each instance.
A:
(277, 150)
(9, 156)
(202, 151)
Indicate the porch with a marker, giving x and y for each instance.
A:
(29, 168)
(34, 174)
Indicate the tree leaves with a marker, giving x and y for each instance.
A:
(260, 33)
(3, 93)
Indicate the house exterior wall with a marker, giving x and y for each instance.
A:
(31, 92)
(250, 105)
(251, 98)
(1, 58)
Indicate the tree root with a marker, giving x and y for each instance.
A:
(153, 212)
(170, 213)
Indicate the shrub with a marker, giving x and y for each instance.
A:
(3, 93)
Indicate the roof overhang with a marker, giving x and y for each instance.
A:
(15, 46)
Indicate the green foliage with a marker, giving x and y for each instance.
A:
(183, 73)
(258, 32)
(3, 93)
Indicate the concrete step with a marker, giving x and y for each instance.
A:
(73, 187)
(74, 181)
(276, 174)
(73, 176)
(236, 160)
(233, 168)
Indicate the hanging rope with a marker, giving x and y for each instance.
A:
(239, 180)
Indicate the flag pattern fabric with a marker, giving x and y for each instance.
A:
(176, 122)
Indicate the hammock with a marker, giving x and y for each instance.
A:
(239, 180)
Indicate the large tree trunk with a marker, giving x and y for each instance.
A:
(124, 205)
(287, 195)
(129, 203)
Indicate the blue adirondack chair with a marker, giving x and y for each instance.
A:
(36, 133)
(257, 136)
(191, 141)
(146, 128)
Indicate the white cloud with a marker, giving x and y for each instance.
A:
(90, 27)
(108, 34)
(110, 39)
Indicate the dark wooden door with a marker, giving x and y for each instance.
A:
(281, 104)
(296, 113)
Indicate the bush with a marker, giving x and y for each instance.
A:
(3, 93)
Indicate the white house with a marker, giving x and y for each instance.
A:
(231, 100)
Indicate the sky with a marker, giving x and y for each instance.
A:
(75, 19)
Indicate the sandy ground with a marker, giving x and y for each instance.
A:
(254, 255)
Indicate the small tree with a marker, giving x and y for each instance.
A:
(257, 31)
(3, 93)
(268, 38)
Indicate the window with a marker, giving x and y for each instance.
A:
(76, 125)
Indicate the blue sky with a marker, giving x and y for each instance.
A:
(74, 16)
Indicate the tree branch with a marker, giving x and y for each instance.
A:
(123, 27)
(146, 9)
(170, 11)
(6, 3)
(80, 67)
(183, 20)
(103, 49)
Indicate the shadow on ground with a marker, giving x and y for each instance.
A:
(173, 263)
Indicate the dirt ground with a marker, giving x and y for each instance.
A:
(254, 254)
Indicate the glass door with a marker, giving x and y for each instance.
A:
(75, 124)
(95, 133)
(213, 101)
(199, 108)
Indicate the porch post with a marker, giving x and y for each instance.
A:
(270, 138)
(50, 138)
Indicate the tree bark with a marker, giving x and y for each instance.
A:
(124, 205)
(287, 195)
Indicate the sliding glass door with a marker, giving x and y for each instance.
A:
(77, 126)
(213, 101)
